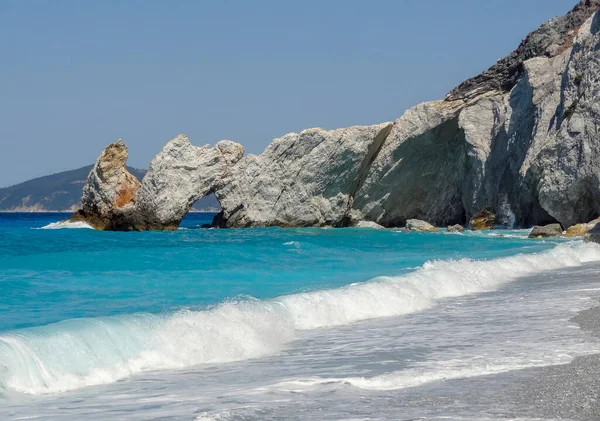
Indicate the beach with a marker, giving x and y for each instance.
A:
(458, 326)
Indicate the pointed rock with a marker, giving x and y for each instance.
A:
(109, 187)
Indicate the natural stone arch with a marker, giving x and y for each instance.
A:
(180, 175)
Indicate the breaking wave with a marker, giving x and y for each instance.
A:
(83, 352)
(66, 224)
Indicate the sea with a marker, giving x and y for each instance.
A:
(281, 324)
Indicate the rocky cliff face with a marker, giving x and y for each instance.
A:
(549, 40)
(529, 153)
(521, 140)
(302, 179)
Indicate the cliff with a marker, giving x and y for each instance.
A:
(520, 139)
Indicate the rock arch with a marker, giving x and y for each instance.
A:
(113, 199)
(180, 175)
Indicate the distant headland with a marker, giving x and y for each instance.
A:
(61, 192)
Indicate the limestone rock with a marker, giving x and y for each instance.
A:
(551, 230)
(579, 230)
(418, 171)
(181, 174)
(551, 39)
(109, 187)
(368, 224)
(521, 139)
(456, 228)
(418, 225)
(483, 220)
(302, 179)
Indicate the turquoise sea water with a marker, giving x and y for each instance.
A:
(260, 311)
(49, 275)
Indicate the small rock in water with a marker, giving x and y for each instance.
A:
(483, 220)
(579, 230)
(368, 224)
(456, 228)
(551, 230)
(418, 225)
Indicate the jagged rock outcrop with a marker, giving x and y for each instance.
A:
(530, 154)
(109, 189)
(302, 179)
(483, 220)
(181, 174)
(550, 230)
(521, 140)
(549, 40)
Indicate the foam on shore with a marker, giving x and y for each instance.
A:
(83, 352)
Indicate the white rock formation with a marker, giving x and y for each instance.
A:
(109, 184)
(181, 174)
(109, 189)
(531, 153)
(418, 172)
(301, 179)
(521, 139)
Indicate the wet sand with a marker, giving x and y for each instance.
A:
(570, 391)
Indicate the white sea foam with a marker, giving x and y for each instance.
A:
(66, 224)
(421, 289)
(417, 376)
(83, 352)
(508, 233)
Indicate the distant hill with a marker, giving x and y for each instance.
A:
(62, 192)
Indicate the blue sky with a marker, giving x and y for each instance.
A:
(77, 75)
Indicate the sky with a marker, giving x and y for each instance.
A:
(78, 75)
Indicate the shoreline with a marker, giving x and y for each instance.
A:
(567, 391)
(481, 317)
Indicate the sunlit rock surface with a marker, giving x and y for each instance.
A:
(520, 140)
